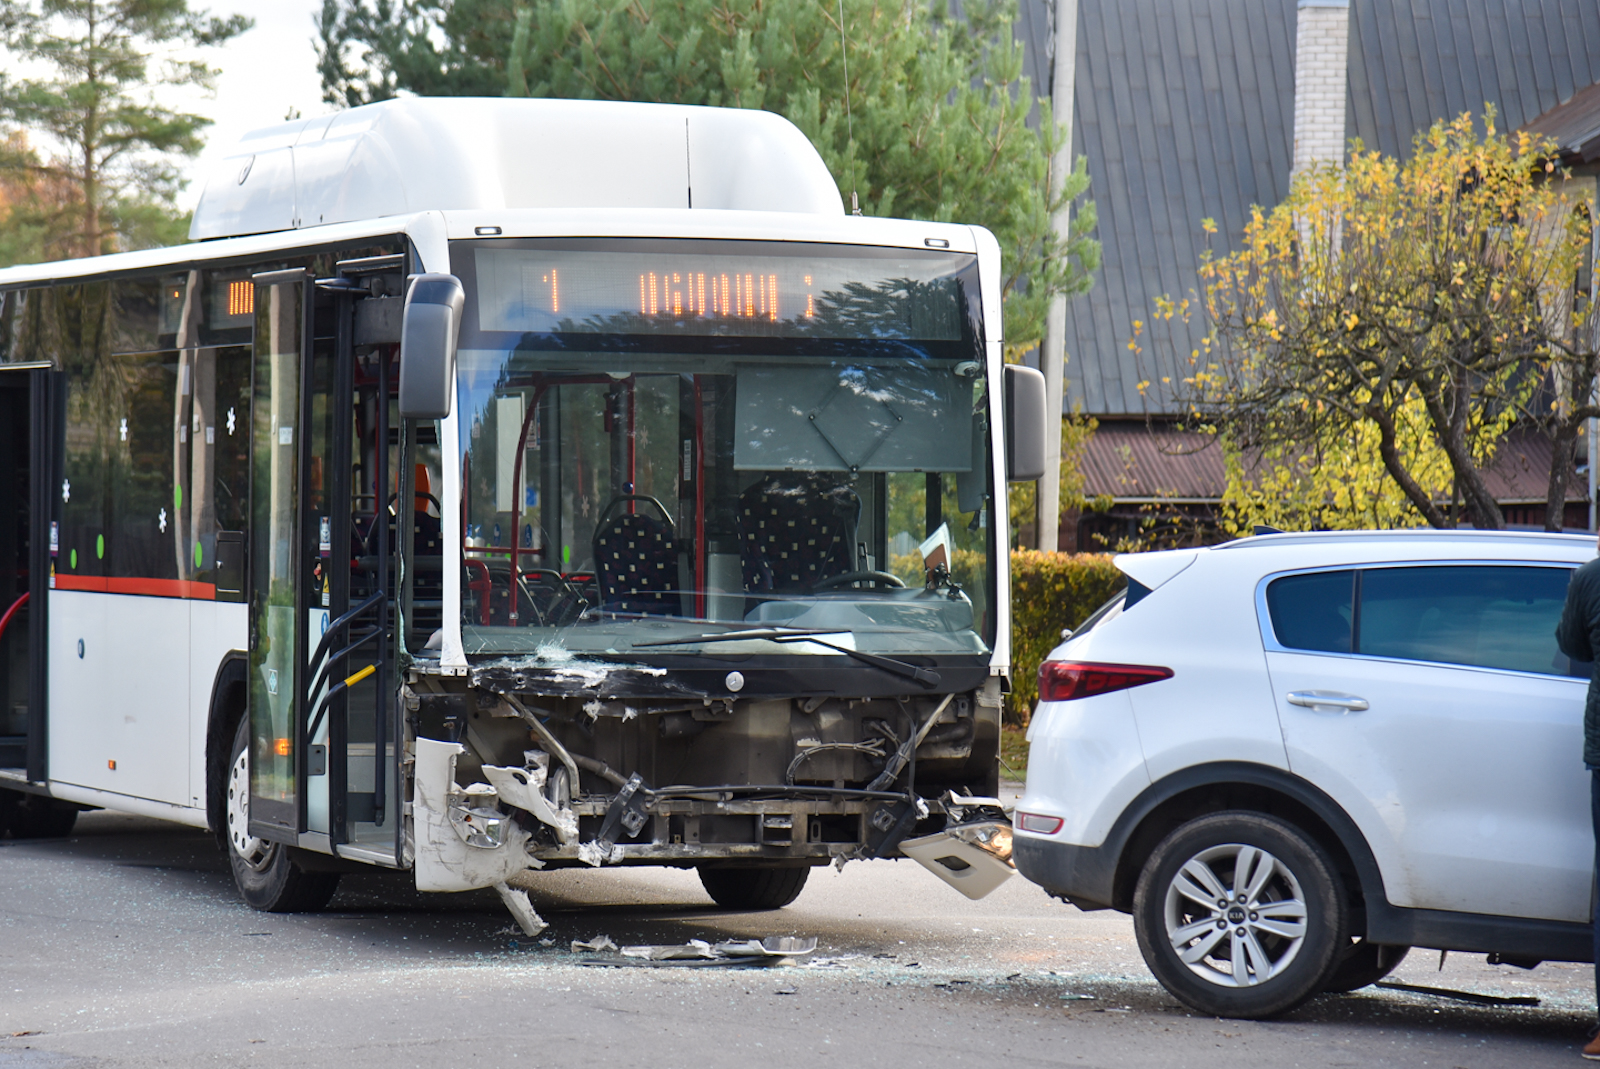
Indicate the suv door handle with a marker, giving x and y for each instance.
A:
(1325, 699)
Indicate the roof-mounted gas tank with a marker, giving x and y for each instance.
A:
(441, 153)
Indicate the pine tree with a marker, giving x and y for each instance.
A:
(107, 142)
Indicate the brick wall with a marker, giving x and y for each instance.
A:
(1322, 39)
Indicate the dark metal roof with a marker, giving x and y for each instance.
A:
(1413, 62)
(1185, 109)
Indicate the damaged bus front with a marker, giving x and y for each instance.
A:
(720, 556)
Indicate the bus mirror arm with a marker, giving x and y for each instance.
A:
(428, 331)
(1025, 416)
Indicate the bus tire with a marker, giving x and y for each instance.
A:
(266, 875)
(34, 816)
(753, 886)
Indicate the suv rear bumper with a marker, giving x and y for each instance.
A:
(1083, 875)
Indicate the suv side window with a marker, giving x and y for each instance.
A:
(1487, 616)
(1313, 611)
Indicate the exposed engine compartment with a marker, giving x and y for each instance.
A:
(559, 781)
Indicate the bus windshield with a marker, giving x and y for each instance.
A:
(664, 443)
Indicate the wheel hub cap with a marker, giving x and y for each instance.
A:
(1235, 915)
(254, 852)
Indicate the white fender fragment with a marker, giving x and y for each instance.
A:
(973, 858)
(444, 861)
(521, 908)
(524, 788)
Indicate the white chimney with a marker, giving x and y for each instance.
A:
(1321, 48)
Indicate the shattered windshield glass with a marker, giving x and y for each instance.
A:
(776, 449)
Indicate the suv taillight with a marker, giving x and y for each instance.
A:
(1062, 681)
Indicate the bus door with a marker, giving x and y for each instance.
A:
(321, 717)
(278, 609)
(26, 407)
(353, 503)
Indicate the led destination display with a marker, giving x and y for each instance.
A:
(563, 290)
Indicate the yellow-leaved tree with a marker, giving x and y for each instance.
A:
(1373, 337)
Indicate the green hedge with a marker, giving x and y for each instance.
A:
(1050, 592)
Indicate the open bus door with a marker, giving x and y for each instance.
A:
(26, 405)
(321, 733)
(31, 398)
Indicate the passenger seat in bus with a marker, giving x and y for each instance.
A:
(795, 531)
(636, 559)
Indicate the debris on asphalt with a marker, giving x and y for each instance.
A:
(1075, 998)
(774, 950)
(693, 950)
(841, 962)
(600, 944)
(1460, 996)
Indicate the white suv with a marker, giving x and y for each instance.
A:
(1294, 756)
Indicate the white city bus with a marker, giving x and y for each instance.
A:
(496, 485)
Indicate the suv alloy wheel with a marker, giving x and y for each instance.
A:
(1239, 914)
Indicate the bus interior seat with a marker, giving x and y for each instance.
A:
(796, 530)
(636, 559)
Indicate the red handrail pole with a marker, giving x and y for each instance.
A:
(6, 619)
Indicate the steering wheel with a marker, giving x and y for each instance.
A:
(876, 579)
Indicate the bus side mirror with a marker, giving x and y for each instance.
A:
(428, 346)
(1025, 416)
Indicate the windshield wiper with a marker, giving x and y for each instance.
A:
(926, 676)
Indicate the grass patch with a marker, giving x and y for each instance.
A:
(1013, 752)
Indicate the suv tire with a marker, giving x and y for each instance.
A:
(1364, 963)
(265, 873)
(1239, 914)
(753, 887)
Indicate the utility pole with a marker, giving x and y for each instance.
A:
(1052, 355)
(1592, 431)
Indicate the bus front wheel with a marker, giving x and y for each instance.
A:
(753, 887)
(266, 875)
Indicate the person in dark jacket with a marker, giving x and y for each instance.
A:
(1578, 635)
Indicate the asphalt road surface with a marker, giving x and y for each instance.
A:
(126, 945)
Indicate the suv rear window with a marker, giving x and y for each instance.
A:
(1485, 616)
(1313, 611)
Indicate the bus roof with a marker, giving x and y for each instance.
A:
(416, 154)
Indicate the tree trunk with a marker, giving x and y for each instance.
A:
(1481, 505)
(1397, 470)
(1580, 388)
(1555, 498)
(91, 142)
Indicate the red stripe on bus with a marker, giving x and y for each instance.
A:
(81, 582)
(160, 588)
